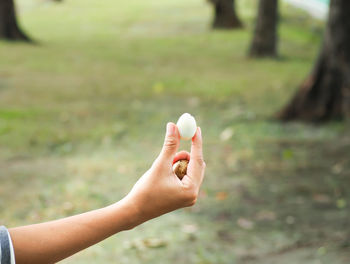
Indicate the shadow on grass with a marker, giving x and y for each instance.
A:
(290, 204)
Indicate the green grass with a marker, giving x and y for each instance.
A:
(83, 114)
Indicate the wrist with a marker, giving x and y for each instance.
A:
(131, 213)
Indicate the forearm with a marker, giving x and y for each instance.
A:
(157, 192)
(53, 241)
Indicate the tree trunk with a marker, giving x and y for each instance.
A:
(264, 42)
(225, 16)
(9, 28)
(325, 94)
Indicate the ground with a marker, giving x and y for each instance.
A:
(83, 115)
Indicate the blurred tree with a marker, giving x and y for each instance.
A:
(325, 94)
(264, 43)
(225, 15)
(9, 28)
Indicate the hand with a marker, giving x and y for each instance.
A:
(159, 190)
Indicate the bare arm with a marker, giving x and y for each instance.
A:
(52, 241)
(157, 192)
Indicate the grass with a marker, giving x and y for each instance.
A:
(83, 114)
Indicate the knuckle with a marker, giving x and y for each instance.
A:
(193, 202)
(191, 197)
(200, 162)
(170, 142)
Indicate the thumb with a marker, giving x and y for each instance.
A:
(171, 143)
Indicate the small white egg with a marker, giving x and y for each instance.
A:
(187, 126)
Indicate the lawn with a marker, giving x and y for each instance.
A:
(83, 115)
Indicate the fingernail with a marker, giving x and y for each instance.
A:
(199, 132)
(170, 129)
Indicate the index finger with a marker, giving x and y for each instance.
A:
(196, 147)
(197, 164)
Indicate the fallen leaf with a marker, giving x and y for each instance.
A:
(136, 244)
(337, 168)
(322, 251)
(68, 207)
(155, 242)
(287, 154)
(158, 88)
(226, 134)
(189, 228)
(266, 216)
(245, 223)
(142, 244)
(221, 196)
(341, 203)
(321, 198)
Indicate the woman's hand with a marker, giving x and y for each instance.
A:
(159, 190)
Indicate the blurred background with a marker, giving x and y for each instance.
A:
(86, 90)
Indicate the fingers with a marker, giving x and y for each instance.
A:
(196, 148)
(171, 143)
(182, 155)
(197, 164)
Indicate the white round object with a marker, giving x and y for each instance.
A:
(187, 126)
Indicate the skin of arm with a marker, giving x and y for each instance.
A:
(157, 192)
